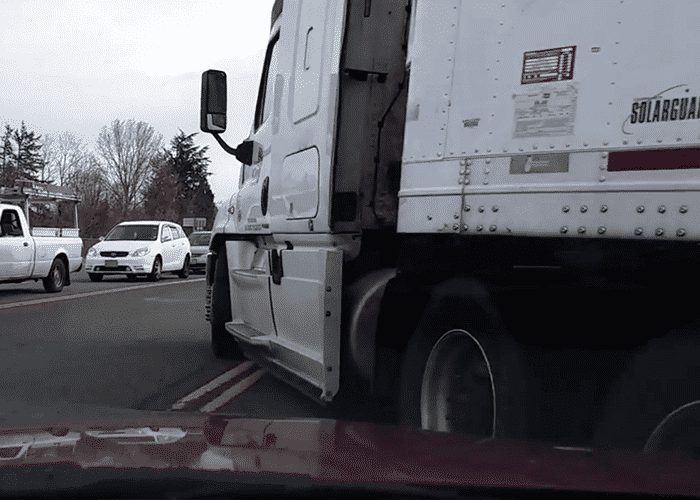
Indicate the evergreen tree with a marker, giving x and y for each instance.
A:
(7, 162)
(179, 186)
(27, 155)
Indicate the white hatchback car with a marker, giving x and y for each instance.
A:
(140, 248)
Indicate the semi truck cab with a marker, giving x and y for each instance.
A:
(461, 208)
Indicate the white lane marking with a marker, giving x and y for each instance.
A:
(165, 300)
(232, 392)
(212, 384)
(61, 298)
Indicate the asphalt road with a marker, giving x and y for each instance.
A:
(120, 345)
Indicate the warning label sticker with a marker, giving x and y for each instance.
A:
(545, 112)
(549, 65)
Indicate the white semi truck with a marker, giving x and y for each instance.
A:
(482, 214)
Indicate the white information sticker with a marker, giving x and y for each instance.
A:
(545, 112)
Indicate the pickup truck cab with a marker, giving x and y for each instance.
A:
(24, 256)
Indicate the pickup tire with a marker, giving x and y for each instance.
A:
(184, 273)
(95, 278)
(222, 343)
(57, 278)
(462, 372)
(655, 404)
(157, 270)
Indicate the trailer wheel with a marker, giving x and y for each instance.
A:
(223, 344)
(462, 373)
(57, 278)
(655, 404)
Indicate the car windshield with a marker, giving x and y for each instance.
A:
(200, 239)
(408, 242)
(133, 232)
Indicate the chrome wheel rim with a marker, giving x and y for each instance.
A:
(678, 431)
(57, 276)
(458, 391)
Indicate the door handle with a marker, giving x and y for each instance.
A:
(264, 195)
(26, 243)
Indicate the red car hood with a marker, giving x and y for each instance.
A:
(332, 452)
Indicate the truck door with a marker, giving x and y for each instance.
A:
(16, 248)
(306, 293)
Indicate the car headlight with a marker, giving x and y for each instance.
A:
(92, 252)
(141, 252)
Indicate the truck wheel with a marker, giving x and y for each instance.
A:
(655, 404)
(222, 343)
(461, 375)
(184, 273)
(95, 278)
(156, 271)
(57, 277)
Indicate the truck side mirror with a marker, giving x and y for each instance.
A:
(212, 117)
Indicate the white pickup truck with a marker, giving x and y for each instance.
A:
(49, 254)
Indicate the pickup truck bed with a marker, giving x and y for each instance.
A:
(46, 253)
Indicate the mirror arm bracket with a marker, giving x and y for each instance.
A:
(222, 143)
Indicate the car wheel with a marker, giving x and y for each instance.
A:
(57, 278)
(184, 273)
(95, 278)
(222, 343)
(157, 270)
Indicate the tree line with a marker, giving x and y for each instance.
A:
(129, 173)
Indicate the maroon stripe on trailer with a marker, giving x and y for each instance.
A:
(654, 159)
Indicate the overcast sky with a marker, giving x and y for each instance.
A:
(76, 65)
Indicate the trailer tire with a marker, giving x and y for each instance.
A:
(222, 343)
(654, 406)
(57, 277)
(95, 278)
(453, 333)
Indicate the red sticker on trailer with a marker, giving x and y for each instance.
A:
(548, 65)
(654, 159)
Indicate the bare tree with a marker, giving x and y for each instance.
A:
(127, 150)
(90, 183)
(64, 155)
(47, 158)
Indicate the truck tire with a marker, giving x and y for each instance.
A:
(222, 343)
(655, 404)
(461, 372)
(95, 278)
(184, 273)
(57, 278)
(157, 270)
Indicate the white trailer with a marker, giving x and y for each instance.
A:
(33, 253)
(485, 214)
